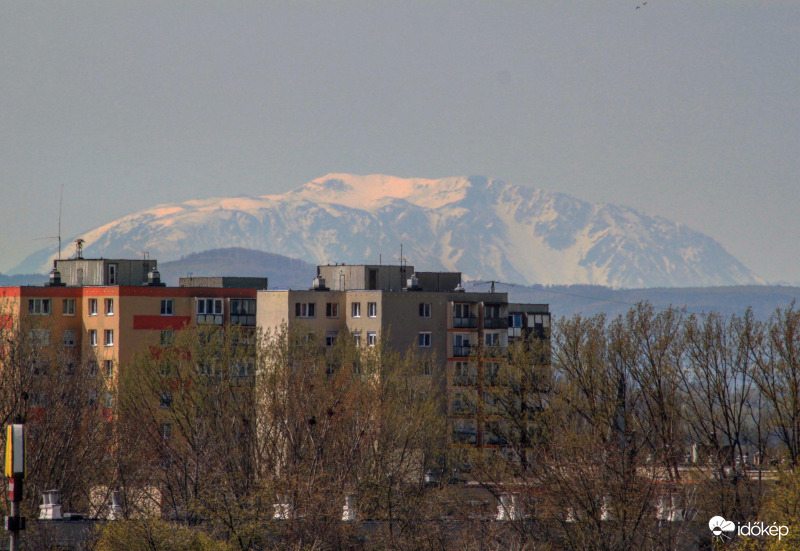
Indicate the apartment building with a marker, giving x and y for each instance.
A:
(460, 335)
(105, 310)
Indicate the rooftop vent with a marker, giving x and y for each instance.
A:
(413, 283)
(55, 279)
(154, 279)
(319, 284)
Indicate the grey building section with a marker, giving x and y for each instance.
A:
(225, 282)
(365, 277)
(438, 281)
(524, 319)
(78, 272)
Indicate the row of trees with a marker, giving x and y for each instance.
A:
(633, 435)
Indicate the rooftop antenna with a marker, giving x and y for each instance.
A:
(60, 202)
(79, 248)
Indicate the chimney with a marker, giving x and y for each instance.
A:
(50, 509)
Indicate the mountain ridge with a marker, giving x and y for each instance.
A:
(483, 227)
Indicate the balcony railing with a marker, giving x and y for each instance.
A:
(465, 323)
(495, 351)
(463, 351)
(209, 319)
(463, 408)
(465, 437)
(465, 380)
(495, 323)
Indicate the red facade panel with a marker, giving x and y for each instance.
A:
(161, 322)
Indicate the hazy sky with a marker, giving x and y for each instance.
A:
(689, 110)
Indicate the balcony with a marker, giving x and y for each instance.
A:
(463, 408)
(495, 351)
(465, 323)
(495, 323)
(463, 351)
(465, 437)
(209, 319)
(465, 380)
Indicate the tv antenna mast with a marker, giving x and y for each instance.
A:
(60, 203)
(57, 237)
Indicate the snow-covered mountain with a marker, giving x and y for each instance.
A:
(485, 228)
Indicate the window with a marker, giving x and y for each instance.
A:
(92, 369)
(461, 346)
(40, 367)
(515, 325)
(92, 398)
(465, 431)
(491, 373)
(167, 307)
(69, 337)
(491, 311)
(462, 316)
(243, 311)
(424, 310)
(112, 274)
(166, 431)
(109, 306)
(241, 368)
(109, 400)
(461, 310)
(357, 338)
(356, 310)
(108, 368)
(68, 307)
(424, 339)
(92, 306)
(372, 309)
(92, 337)
(209, 311)
(40, 337)
(167, 337)
(332, 310)
(492, 339)
(305, 309)
(38, 400)
(372, 338)
(109, 337)
(39, 306)
(465, 374)
(166, 400)
(464, 402)
(330, 338)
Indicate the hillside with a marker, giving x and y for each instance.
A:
(283, 272)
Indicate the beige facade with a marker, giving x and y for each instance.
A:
(460, 335)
